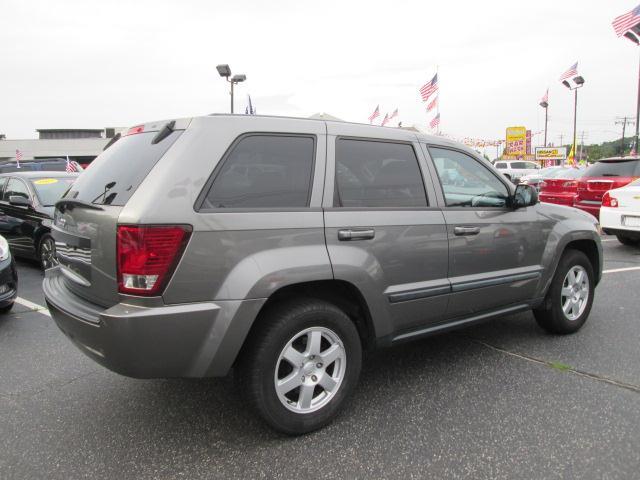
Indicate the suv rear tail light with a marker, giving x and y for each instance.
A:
(148, 255)
(609, 201)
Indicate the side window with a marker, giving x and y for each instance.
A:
(517, 165)
(265, 171)
(531, 165)
(16, 188)
(377, 174)
(466, 182)
(501, 165)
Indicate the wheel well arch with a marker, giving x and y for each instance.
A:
(342, 294)
(590, 249)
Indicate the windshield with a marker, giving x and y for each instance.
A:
(51, 189)
(618, 168)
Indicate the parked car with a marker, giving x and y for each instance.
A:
(8, 277)
(285, 247)
(620, 213)
(561, 186)
(534, 179)
(27, 201)
(602, 176)
(40, 165)
(516, 169)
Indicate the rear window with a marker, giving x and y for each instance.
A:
(567, 173)
(50, 189)
(118, 171)
(621, 168)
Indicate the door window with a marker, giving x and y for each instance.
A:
(466, 182)
(377, 174)
(265, 171)
(501, 165)
(16, 188)
(518, 165)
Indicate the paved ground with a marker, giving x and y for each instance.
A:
(501, 400)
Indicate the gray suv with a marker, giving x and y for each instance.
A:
(283, 248)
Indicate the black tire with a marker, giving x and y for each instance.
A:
(261, 357)
(623, 239)
(6, 308)
(47, 252)
(550, 315)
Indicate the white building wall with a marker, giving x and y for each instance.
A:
(31, 148)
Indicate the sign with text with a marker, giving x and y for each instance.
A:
(516, 141)
(550, 156)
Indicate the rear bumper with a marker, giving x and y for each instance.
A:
(593, 209)
(557, 198)
(187, 340)
(611, 221)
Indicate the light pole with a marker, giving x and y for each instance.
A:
(225, 72)
(578, 82)
(634, 36)
(544, 104)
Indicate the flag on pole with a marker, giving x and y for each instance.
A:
(429, 88)
(394, 114)
(435, 122)
(71, 167)
(545, 98)
(626, 22)
(18, 157)
(375, 114)
(385, 120)
(571, 159)
(433, 104)
(572, 72)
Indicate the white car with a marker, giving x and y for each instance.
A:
(515, 169)
(620, 213)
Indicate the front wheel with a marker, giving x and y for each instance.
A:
(568, 302)
(300, 365)
(47, 252)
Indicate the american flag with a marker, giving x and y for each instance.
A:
(375, 114)
(433, 104)
(18, 157)
(429, 88)
(385, 120)
(572, 72)
(71, 167)
(435, 122)
(545, 97)
(626, 22)
(394, 114)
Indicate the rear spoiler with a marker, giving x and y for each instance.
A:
(164, 127)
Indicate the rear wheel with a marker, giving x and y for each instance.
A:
(300, 365)
(47, 252)
(626, 240)
(568, 302)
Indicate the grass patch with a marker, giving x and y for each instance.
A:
(563, 367)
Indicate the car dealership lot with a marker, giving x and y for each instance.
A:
(499, 400)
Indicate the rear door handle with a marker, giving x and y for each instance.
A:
(355, 234)
(466, 231)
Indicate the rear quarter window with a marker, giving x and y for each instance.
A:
(118, 171)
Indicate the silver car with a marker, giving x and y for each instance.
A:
(284, 247)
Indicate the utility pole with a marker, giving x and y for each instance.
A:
(582, 134)
(623, 121)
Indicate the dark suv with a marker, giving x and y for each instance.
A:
(285, 247)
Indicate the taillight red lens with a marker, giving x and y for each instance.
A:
(570, 184)
(147, 256)
(609, 201)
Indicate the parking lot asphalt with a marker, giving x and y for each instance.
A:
(498, 400)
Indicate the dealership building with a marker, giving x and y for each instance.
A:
(80, 144)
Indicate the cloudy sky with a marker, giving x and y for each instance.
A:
(103, 63)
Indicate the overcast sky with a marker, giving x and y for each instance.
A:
(91, 64)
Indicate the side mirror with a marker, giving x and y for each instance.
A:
(19, 201)
(525, 196)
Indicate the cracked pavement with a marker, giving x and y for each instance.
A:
(498, 400)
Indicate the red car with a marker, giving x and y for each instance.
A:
(561, 186)
(602, 176)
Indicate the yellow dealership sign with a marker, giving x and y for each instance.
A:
(516, 141)
(551, 153)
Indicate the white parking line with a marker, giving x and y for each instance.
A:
(616, 270)
(33, 306)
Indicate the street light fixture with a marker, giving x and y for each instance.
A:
(225, 71)
(578, 82)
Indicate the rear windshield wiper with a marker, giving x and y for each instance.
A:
(112, 141)
(164, 133)
(70, 203)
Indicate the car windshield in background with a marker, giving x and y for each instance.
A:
(618, 168)
(118, 171)
(51, 189)
(568, 173)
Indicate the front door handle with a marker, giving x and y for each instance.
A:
(355, 234)
(466, 231)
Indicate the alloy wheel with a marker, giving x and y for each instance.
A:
(575, 292)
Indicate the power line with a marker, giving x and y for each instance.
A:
(623, 121)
